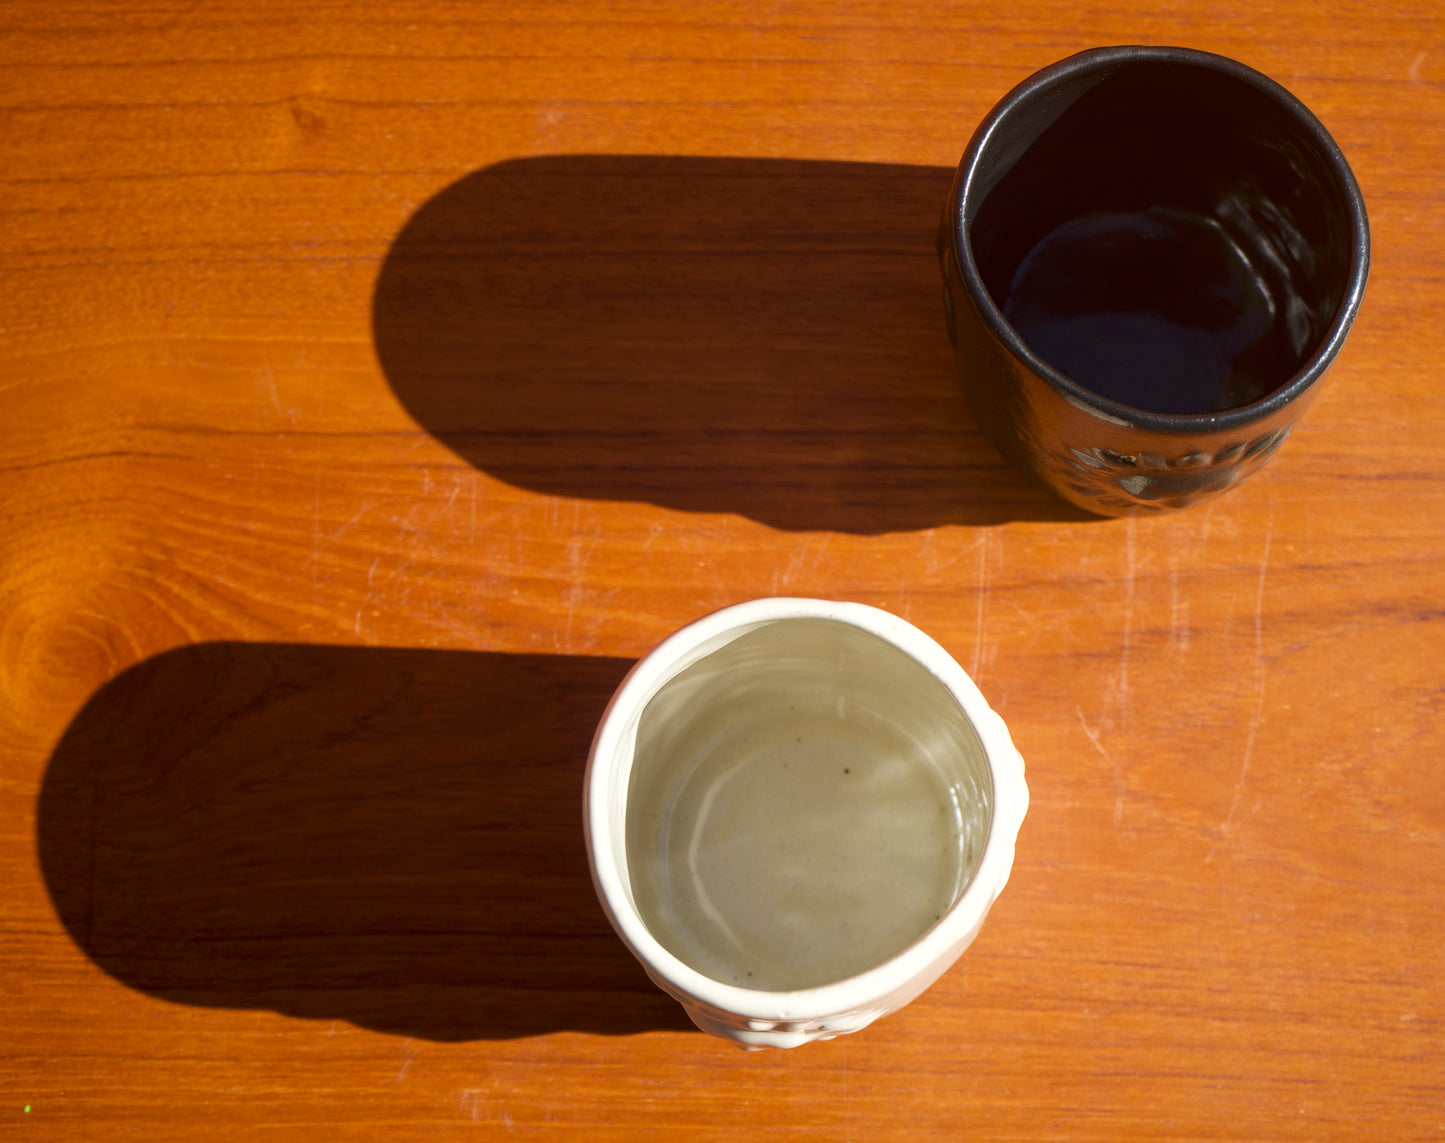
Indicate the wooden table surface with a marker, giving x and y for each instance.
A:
(379, 380)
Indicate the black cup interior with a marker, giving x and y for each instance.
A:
(1164, 233)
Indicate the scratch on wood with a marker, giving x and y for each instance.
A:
(409, 1054)
(1257, 714)
(1130, 567)
(316, 535)
(271, 384)
(796, 562)
(935, 564)
(1093, 736)
(579, 555)
(981, 607)
(1178, 609)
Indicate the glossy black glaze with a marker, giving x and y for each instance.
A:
(1150, 257)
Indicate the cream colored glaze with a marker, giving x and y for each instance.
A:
(804, 804)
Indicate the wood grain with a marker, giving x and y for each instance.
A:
(379, 381)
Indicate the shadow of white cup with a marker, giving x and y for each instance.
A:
(798, 813)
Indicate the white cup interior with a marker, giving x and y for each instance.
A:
(856, 690)
(803, 803)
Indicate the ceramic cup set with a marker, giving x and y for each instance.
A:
(799, 812)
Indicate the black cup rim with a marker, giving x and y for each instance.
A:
(1109, 58)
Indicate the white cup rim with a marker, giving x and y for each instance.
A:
(607, 857)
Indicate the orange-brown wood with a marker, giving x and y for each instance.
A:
(379, 380)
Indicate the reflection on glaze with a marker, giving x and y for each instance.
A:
(1120, 480)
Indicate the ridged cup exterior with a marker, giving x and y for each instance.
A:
(749, 1017)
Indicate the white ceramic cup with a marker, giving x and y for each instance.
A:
(798, 813)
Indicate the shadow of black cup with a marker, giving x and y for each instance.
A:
(756, 337)
(1150, 256)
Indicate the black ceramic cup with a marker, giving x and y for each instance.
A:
(1150, 257)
